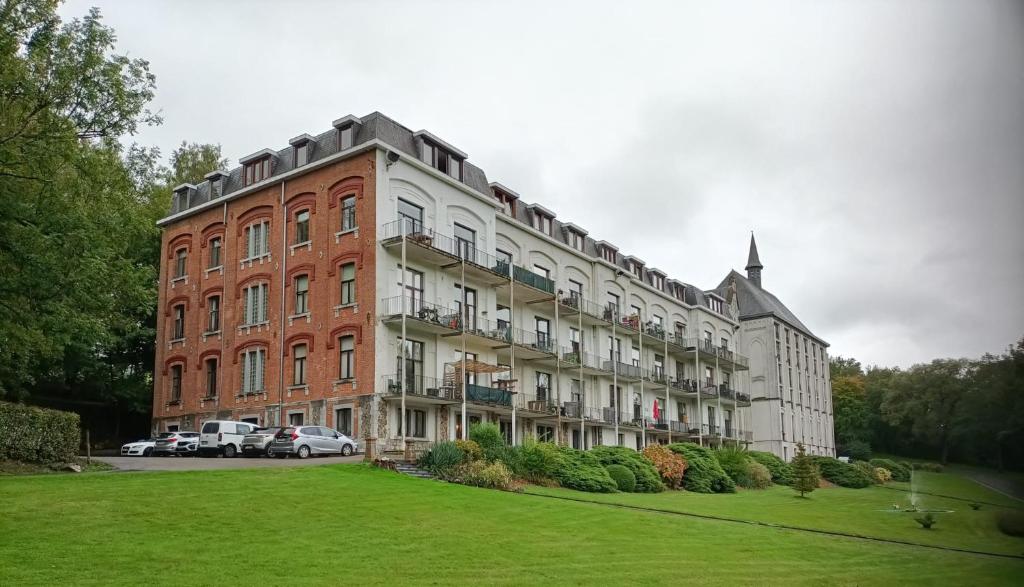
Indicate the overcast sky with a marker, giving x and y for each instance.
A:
(875, 148)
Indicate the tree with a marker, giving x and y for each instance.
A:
(850, 410)
(69, 210)
(805, 473)
(929, 398)
(840, 367)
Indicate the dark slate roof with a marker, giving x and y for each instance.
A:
(755, 302)
(752, 258)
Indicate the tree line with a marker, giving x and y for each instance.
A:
(79, 245)
(964, 410)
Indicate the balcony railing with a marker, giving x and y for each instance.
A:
(583, 305)
(417, 385)
(684, 385)
(623, 369)
(487, 395)
(742, 397)
(656, 375)
(525, 276)
(574, 358)
(540, 402)
(420, 310)
(654, 330)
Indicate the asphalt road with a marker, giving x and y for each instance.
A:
(219, 463)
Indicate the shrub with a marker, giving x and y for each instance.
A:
(582, 471)
(882, 475)
(857, 450)
(647, 478)
(669, 465)
(737, 465)
(488, 436)
(758, 475)
(490, 475)
(703, 473)
(37, 435)
(899, 472)
(623, 477)
(842, 474)
(470, 449)
(537, 461)
(928, 467)
(926, 521)
(443, 459)
(1011, 522)
(782, 472)
(806, 474)
(866, 468)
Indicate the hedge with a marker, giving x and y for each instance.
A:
(842, 474)
(623, 477)
(703, 473)
(782, 472)
(898, 470)
(582, 471)
(648, 480)
(37, 435)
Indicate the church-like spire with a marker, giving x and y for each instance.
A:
(754, 266)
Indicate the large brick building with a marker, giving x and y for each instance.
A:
(371, 279)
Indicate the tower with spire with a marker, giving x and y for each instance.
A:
(754, 266)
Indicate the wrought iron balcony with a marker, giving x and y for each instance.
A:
(487, 395)
(418, 386)
(422, 311)
(684, 385)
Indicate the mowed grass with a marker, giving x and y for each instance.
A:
(861, 512)
(354, 525)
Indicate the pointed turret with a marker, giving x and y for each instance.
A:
(754, 266)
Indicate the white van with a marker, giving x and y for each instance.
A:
(223, 437)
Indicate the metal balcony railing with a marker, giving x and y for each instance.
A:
(525, 276)
(684, 385)
(581, 304)
(417, 385)
(575, 358)
(418, 309)
(623, 369)
(540, 402)
(654, 330)
(486, 395)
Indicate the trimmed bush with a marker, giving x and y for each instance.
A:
(647, 478)
(882, 475)
(842, 474)
(758, 476)
(898, 471)
(737, 465)
(703, 473)
(443, 459)
(669, 465)
(866, 468)
(857, 450)
(928, 467)
(1011, 522)
(470, 449)
(782, 472)
(623, 477)
(490, 475)
(581, 471)
(537, 461)
(37, 435)
(488, 436)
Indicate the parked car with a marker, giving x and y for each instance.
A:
(139, 448)
(258, 441)
(176, 443)
(311, 440)
(223, 437)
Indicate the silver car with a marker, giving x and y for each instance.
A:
(257, 442)
(311, 440)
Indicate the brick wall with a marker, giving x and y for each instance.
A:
(320, 192)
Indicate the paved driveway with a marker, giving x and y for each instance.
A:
(217, 464)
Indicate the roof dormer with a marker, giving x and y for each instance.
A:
(506, 196)
(218, 180)
(542, 218)
(636, 266)
(183, 196)
(574, 235)
(258, 166)
(302, 149)
(347, 127)
(657, 278)
(608, 251)
(440, 155)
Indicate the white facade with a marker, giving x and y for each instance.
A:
(556, 380)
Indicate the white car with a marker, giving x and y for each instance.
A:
(141, 448)
(223, 437)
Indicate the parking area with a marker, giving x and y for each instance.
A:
(214, 464)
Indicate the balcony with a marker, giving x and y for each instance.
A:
(656, 376)
(420, 316)
(540, 402)
(574, 359)
(487, 395)
(725, 357)
(571, 304)
(687, 386)
(418, 386)
(624, 371)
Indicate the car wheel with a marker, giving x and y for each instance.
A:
(303, 452)
(346, 450)
(229, 451)
(270, 453)
(147, 452)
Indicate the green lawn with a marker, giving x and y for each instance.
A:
(849, 511)
(350, 524)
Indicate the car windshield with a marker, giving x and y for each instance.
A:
(166, 435)
(284, 432)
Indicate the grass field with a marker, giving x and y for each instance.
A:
(350, 524)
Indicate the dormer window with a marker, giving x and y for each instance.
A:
(183, 197)
(218, 179)
(542, 223)
(506, 196)
(301, 154)
(637, 269)
(658, 281)
(440, 159)
(256, 171)
(346, 137)
(715, 304)
(608, 252)
(576, 240)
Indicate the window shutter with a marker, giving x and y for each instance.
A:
(266, 238)
(260, 365)
(263, 303)
(245, 372)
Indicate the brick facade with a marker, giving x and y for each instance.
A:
(319, 191)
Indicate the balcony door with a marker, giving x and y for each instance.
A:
(411, 216)
(465, 242)
(413, 291)
(410, 365)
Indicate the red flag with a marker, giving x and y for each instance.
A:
(657, 412)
